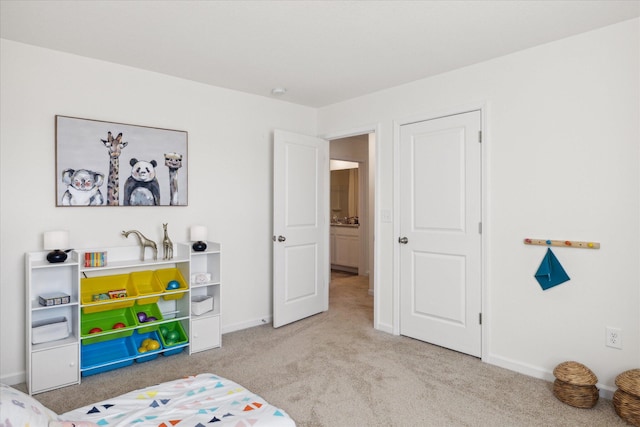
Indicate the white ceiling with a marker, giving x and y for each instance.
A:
(323, 52)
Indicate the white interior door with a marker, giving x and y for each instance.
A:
(300, 227)
(440, 240)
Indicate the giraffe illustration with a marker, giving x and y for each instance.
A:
(115, 146)
(174, 162)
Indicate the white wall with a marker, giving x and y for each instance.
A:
(562, 161)
(230, 174)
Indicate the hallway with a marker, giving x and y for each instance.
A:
(351, 292)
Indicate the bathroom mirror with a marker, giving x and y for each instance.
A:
(344, 194)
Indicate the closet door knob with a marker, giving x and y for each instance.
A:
(281, 238)
(403, 240)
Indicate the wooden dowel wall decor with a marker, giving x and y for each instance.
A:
(563, 243)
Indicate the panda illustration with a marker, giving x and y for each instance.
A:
(142, 188)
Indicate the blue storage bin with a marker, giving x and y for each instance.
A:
(173, 351)
(139, 338)
(107, 355)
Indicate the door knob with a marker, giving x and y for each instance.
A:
(403, 240)
(281, 238)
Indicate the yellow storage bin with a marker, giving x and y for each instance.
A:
(167, 275)
(146, 283)
(96, 291)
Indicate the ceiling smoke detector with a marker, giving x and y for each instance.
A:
(278, 91)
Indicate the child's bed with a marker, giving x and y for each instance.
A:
(200, 400)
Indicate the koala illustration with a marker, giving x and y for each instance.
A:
(142, 188)
(82, 187)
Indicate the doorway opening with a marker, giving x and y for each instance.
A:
(352, 189)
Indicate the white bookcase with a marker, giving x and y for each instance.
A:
(55, 363)
(205, 284)
(60, 347)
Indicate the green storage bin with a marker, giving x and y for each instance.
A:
(105, 320)
(151, 310)
(173, 346)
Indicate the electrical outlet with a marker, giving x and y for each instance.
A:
(614, 337)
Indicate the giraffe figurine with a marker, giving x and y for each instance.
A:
(144, 243)
(167, 244)
(115, 147)
(174, 162)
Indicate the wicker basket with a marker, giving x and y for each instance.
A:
(575, 385)
(627, 407)
(629, 382)
(626, 400)
(575, 373)
(580, 396)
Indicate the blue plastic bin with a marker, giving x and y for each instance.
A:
(107, 355)
(138, 339)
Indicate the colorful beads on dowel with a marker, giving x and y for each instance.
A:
(564, 243)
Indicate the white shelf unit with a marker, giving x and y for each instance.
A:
(205, 328)
(63, 362)
(56, 363)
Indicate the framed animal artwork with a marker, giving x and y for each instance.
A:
(101, 163)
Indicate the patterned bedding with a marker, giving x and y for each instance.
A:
(200, 400)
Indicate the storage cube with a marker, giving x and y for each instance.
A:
(201, 304)
(53, 329)
(54, 298)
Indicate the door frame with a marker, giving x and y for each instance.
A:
(419, 117)
(374, 218)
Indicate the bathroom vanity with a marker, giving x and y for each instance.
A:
(345, 247)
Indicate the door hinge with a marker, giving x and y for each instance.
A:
(480, 318)
(480, 136)
(479, 228)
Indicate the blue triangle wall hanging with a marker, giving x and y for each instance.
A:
(550, 273)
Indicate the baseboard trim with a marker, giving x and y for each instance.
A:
(606, 391)
(384, 328)
(13, 379)
(246, 325)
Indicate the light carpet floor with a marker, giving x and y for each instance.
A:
(334, 369)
